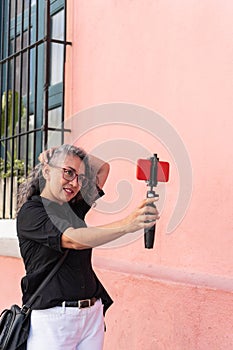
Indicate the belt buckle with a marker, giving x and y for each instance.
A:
(84, 303)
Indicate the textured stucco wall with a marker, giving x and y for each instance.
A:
(173, 57)
(11, 271)
(149, 313)
(158, 315)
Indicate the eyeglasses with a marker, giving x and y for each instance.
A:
(70, 175)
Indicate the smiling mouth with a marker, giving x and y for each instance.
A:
(68, 190)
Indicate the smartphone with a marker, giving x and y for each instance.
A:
(144, 167)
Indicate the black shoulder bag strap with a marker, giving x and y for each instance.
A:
(26, 307)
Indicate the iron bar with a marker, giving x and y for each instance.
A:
(47, 73)
(25, 88)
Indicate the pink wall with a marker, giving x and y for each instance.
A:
(166, 316)
(174, 57)
(11, 272)
(161, 315)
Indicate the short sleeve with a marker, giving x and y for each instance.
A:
(34, 223)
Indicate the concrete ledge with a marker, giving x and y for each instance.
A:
(8, 239)
(167, 274)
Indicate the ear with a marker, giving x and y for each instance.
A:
(46, 172)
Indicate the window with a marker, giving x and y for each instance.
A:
(32, 51)
(57, 50)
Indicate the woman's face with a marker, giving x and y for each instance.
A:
(62, 183)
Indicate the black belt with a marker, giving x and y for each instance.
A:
(81, 304)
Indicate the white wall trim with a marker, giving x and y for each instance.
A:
(8, 238)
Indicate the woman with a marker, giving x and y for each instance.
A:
(69, 314)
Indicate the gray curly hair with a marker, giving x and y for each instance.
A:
(35, 182)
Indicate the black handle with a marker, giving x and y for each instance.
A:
(149, 237)
(149, 233)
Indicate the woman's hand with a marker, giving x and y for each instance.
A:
(144, 216)
(45, 156)
(100, 169)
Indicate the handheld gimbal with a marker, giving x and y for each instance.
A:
(152, 171)
(149, 234)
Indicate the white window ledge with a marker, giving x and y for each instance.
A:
(8, 238)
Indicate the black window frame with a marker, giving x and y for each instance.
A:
(40, 97)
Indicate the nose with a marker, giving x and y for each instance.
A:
(75, 182)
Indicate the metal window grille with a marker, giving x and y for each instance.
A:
(25, 68)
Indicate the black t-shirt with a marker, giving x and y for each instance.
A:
(40, 224)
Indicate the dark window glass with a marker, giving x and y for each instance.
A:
(29, 115)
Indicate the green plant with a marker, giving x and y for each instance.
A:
(8, 107)
(18, 169)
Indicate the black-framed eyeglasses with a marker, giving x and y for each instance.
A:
(70, 174)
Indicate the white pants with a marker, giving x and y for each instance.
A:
(67, 328)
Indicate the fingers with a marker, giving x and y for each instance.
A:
(41, 158)
(144, 216)
(145, 221)
(147, 215)
(148, 202)
(45, 156)
(150, 208)
(150, 212)
(151, 217)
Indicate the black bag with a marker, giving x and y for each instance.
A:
(15, 322)
(14, 327)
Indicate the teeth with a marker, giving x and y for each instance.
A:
(68, 190)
